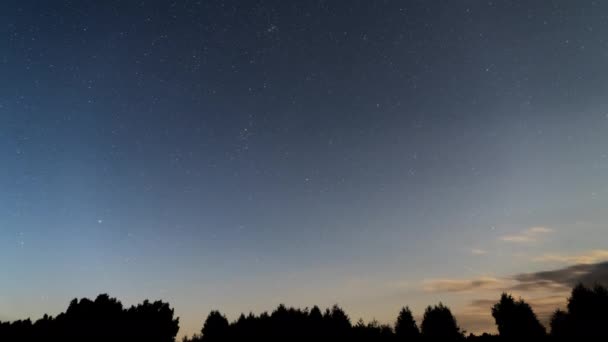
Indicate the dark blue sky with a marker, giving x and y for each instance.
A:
(238, 154)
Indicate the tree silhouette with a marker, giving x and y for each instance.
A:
(99, 320)
(105, 319)
(515, 319)
(405, 326)
(152, 322)
(315, 322)
(372, 331)
(587, 315)
(560, 324)
(439, 323)
(215, 327)
(337, 322)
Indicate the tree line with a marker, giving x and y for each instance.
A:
(105, 319)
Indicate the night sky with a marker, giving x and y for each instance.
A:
(235, 155)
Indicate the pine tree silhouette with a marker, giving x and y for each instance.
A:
(405, 326)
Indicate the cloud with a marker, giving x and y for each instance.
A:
(540, 230)
(553, 281)
(476, 321)
(545, 291)
(588, 274)
(483, 304)
(539, 285)
(461, 285)
(528, 235)
(476, 251)
(591, 257)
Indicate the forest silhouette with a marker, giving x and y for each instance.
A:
(105, 319)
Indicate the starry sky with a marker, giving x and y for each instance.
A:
(235, 155)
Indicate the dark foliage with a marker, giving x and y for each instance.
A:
(405, 326)
(103, 319)
(216, 326)
(586, 317)
(373, 331)
(439, 323)
(284, 323)
(515, 319)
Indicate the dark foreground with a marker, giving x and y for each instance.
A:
(105, 319)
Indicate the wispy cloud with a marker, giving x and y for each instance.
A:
(461, 285)
(528, 235)
(553, 281)
(591, 257)
(476, 251)
(545, 291)
(589, 274)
